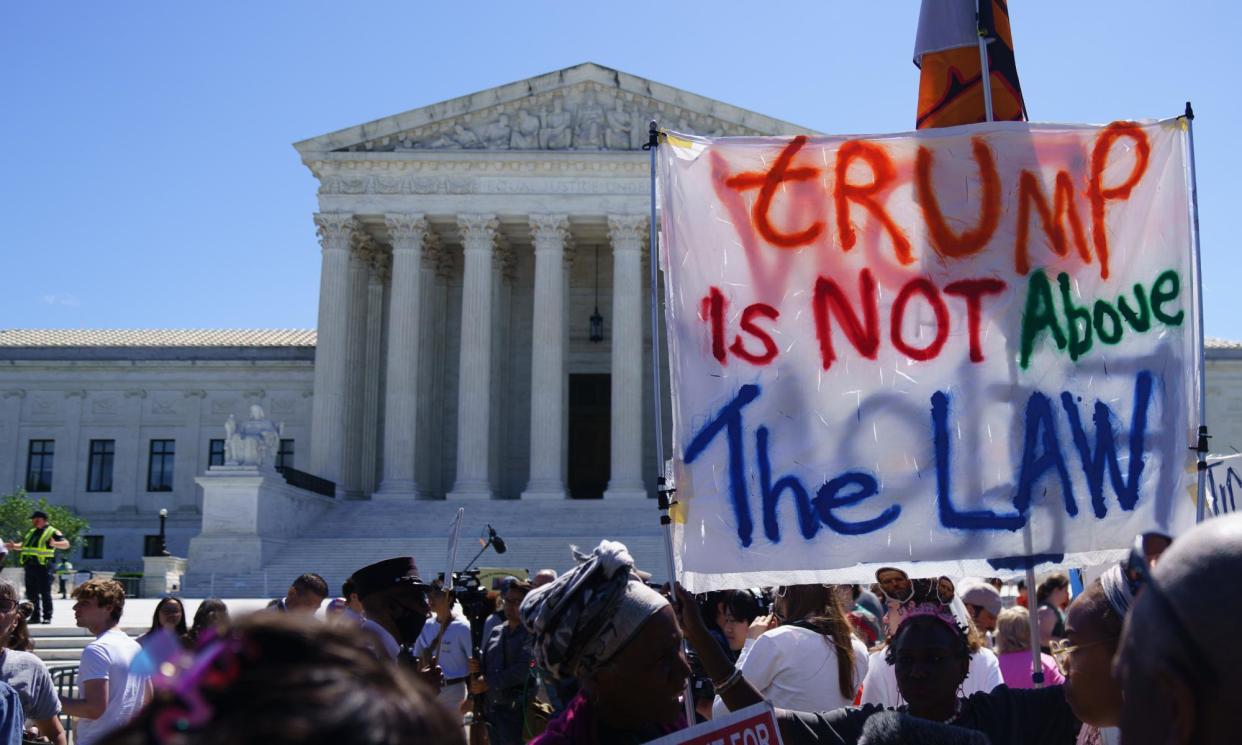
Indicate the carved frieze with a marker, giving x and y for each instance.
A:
(105, 407)
(587, 116)
(44, 406)
(284, 406)
(163, 406)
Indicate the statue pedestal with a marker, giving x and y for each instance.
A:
(249, 515)
(161, 575)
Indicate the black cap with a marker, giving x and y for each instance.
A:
(387, 573)
(38, 513)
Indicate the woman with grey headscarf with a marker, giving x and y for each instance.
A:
(602, 625)
(1093, 626)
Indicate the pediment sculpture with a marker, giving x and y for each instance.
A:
(585, 117)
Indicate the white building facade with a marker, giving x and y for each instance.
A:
(464, 249)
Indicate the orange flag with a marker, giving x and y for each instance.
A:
(946, 50)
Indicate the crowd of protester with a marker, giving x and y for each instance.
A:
(601, 655)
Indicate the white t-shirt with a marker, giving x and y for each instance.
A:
(108, 658)
(796, 668)
(880, 685)
(455, 647)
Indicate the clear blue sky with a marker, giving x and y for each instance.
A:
(149, 179)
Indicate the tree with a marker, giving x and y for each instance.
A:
(15, 510)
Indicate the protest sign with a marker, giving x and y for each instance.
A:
(754, 725)
(1222, 475)
(958, 351)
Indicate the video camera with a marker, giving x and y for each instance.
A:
(474, 602)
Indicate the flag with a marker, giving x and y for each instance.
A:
(946, 50)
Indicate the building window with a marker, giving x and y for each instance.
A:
(160, 465)
(99, 468)
(39, 465)
(215, 453)
(284, 456)
(92, 547)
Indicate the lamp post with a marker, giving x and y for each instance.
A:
(163, 539)
(597, 321)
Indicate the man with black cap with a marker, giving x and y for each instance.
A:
(395, 600)
(38, 548)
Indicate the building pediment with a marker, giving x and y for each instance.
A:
(581, 108)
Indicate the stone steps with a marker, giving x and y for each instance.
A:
(62, 645)
(356, 533)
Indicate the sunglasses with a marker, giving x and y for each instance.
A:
(7, 606)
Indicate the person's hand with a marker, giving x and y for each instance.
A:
(478, 685)
(761, 625)
(691, 617)
(473, 665)
(10, 545)
(432, 676)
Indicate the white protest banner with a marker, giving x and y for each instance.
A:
(905, 349)
(754, 725)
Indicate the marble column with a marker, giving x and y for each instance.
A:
(409, 234)
(355, 364)
(378, 274)
(439, 268)
(478, 238)
(328, 405)
(547, 376)
(626, 233)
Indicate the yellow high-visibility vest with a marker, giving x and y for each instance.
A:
(41, 550)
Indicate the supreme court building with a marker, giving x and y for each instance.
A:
(465, 248)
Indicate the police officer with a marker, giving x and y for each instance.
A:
(38, 548)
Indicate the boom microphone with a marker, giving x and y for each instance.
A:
(498, 543)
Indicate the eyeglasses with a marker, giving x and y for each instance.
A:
(1062, 649)
(7, 606)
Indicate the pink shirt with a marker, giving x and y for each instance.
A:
(1016, 669)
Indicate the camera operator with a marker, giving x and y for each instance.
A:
(497, 613)
(505, 670)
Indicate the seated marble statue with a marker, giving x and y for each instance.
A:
(254, 443)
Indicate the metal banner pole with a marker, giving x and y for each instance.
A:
(985, 79)
(653, 142)
(985, 68)
(662, 491)
(1201, 446)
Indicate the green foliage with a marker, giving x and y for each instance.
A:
(15, 512)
